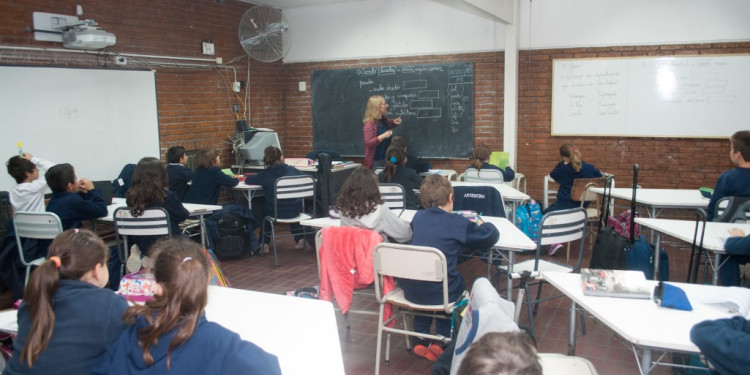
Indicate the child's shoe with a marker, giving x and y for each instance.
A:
(300, 244)
(422, 349)
(133, 263)
(264, 250)
(436, 349)
(553, 249)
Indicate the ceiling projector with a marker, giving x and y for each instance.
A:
(87, 37)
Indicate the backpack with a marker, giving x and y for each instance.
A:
(233, 242)
(528, 218)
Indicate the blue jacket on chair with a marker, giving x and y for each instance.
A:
(481, 199)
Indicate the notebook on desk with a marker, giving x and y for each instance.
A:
(106, 189)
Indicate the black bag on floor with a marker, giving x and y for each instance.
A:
(233, 242)
(610, 247)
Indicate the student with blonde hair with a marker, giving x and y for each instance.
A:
(67, 318)
(568, 169)
(377, 131)
(170, 334)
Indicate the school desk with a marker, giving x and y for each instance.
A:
(660, 199)
(199, 210)
(301, 332)
(450, 174)
(713, 238)
(511, 240)
(641, 322)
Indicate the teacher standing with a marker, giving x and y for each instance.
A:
(377, 131)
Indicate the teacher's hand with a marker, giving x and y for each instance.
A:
(397, 121)
(386, 134)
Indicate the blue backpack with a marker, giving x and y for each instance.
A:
(528, 218)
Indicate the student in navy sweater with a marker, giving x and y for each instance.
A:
(736, 181)
(179, 174)
(287, 208)
(724, 342)
(73, 201)
(482, 155)
(438, 227)
(396, 172)
(149, 190)
(568, 169)
(737, 249)
(67, 319)
(170, 334)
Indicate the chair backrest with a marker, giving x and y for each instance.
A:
(732, 209)
(548, 193)
(393, 196)
(153, 222)
(378, 170)
(410, 262)
(562, 227)
(36, 225)
(481, 199)
(581, 186)
(294, 187)
(483, 175)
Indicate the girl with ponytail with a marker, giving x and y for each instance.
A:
(482, 155)
(568, 169)
(171, 333)
(396, 172)
(67, 319)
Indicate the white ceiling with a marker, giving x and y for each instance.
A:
(286, 4)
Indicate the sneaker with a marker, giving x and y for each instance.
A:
(423, 351)
(147, 262)
(264, 250)
(133, 263)
(436, 349)
(300, 244)
(553, 249)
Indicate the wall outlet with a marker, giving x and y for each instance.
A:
(236, 86)
(302, 86)
(208, 48)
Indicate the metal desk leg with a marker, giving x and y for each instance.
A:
(646, 362)
(656, 256)
(572, 331)
(203, 232)
(511, 262)
(715, 271)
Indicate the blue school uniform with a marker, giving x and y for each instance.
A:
(564, 174)
(724, 342)
(733, 182)
(179, 176)
(206, 184)
(74, 208)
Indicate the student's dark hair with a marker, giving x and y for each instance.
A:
(569, 151)
(435, 191)
(148, 187)
(181, 269)
(501, 353)
(271, 155)
(741, 142)
(359, 195)
(175, 153)
(79, 250)
(206, 157)
(398, 141)
(394, 157)
(59, 176)
(481, 155)
(18, 167)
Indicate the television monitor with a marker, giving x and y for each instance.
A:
(255, 143)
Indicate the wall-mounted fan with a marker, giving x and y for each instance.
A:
(261, 30)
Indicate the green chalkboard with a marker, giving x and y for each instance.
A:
(435, 102)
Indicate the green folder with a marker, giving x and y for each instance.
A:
(228, 171)
(500, 158)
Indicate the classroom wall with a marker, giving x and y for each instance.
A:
(194, 103)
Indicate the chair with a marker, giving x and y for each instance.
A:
(518, 181)
(732, 209)
(378, 170)
(481, 199)
(153, 222)
(581, 191)
(36, 225)
(549, 194)
(700, 222)
(290, 187)
(556, 227)
(483, 175)
(337, 250)
(407, 262)
(393, 196)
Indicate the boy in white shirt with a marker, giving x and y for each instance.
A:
(28, 195)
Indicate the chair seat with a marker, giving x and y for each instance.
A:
(544, 266)
(396, 298)
(300, 217)
(556, 363)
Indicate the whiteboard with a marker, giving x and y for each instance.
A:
(95, 119)
(697, 96)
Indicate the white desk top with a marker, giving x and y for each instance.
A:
(511, 238)
(301, 332)
(662, 198)
(714, 237)
(193, 209)
(508, 192)
(243, 186)
(9, 321)
(641, 321)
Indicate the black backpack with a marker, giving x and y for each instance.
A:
(233, 240)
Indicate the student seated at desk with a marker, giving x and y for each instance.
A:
(736, 181)
(361, 205)
(28, 195)
(73, 201)
(418, 164)
(438, 227)
(724, 342)
(568, 169)
(737, 250)
(287, 208)
(482, 155)
(68, 319)
(149, 190)
(179, 174)
(396, 172)
(170, 334)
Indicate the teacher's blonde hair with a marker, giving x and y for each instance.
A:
(372, 111)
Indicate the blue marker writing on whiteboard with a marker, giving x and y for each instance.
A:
(20, 148)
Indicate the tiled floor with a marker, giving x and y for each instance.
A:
(608, 352)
